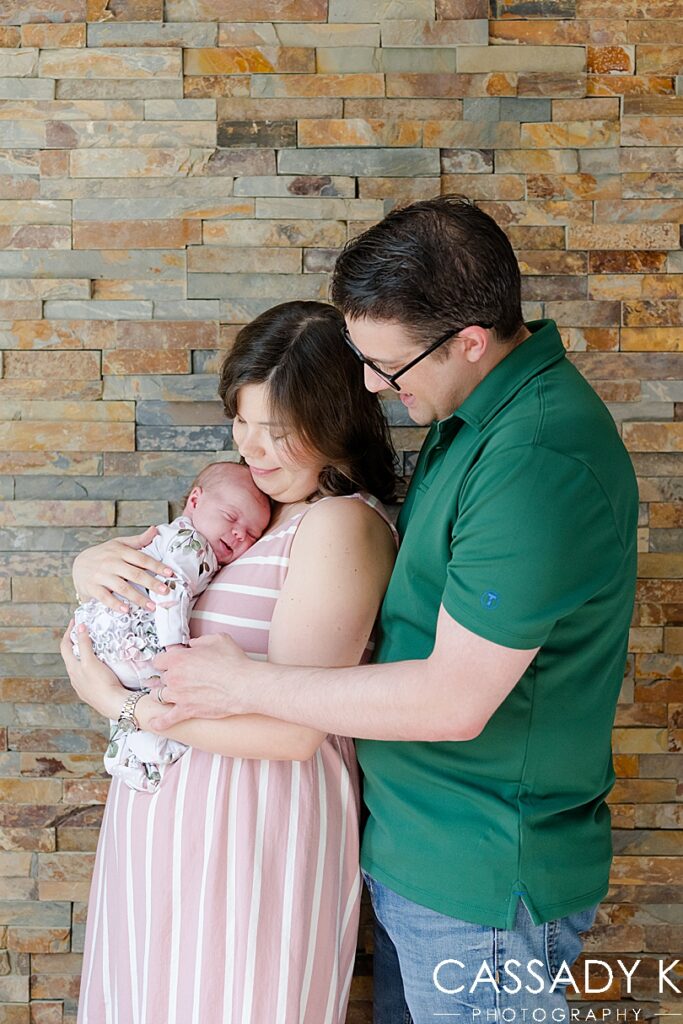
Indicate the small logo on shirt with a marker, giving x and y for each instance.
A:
(489, 599)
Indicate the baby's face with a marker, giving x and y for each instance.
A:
(231, 515)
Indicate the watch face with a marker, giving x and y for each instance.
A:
(127, 725)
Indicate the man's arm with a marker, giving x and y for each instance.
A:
(449, 696)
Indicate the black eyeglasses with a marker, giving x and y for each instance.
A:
(391, 378)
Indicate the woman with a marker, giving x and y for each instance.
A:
(232, 894)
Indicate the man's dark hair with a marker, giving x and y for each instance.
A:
(432, 265)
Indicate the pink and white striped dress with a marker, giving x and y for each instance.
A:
(231, 895)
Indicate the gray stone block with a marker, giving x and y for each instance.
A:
(97, 310)
(284, 186)
(136, 33)
(55, 538)
(102, 487)
(154, 208)
(485, 108)
(379, 10)
(187, 310)
(466, 161)
(180, 110)
(514, 108)
(183, 413)
(279, 287)
(118, 264)
(362, 163)
(184, 438)
(162, 387)
(27, 88)
(274, 134)
(119, 89)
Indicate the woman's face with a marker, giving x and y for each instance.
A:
(280, 465)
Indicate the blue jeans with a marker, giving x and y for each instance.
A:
(429, 967)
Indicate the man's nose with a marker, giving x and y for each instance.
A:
(373, 382)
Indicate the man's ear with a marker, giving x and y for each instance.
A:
(476, 341)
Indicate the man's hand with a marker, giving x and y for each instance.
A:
(208, 679)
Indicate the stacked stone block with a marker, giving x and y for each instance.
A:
(168, 171)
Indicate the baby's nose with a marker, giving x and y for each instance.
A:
(238, 532)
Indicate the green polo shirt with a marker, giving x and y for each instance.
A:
(521, 521)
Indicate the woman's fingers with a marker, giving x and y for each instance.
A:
(145, 561)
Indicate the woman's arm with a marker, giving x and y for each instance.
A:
(340, 563)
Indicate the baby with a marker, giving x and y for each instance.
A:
(224, 514)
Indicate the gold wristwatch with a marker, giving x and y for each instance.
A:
(127, 720)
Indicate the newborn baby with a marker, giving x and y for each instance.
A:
(224, 514)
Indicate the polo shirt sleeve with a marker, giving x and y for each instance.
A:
(534, 538)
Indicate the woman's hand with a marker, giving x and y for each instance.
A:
(92, 680)
(105, 569)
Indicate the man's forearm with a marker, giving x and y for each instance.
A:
(396, 701)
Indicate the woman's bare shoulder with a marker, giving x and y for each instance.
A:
(347, 517)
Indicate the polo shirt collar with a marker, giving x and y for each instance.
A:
(527, 360)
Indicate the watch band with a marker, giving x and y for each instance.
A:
(127, 719)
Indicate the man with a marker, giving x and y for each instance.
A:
(484, 726)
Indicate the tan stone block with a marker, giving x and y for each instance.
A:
(56, 513)
(168, 334)
(622, 236)
(112, 62)
(57, 589)
(59, 986)
(651, 312)
(401, 190)
(246, 10)
(38, 211)
(54, 437)
(523, 236)
(61, 334)
(125, 10)
(611, 60)
(266, 260)
(30, 791)
(574, 186)
(358, 132)
(639, 741)
(570, 135)
(211, 86)
(485, 186)
(406, 84)
(642, 791)
(520, 58)
(320, 234)
(551, 84)
(238, 108)
(472, 134)
(661, 565)
(242, 60)
(15, 865)
(21, 310)
(34, 236)
(140, 234)
(625, 766)
(542, 211)
(615, 286)
(45, 1011)
(666, 515)
(143, 361)
(597, 339)
(321, 85)
(655, 184)
(652, 339)
(10, 37)
(655, 59)
(71, 365)
(673, 640)
(644, 639)
(589, 109)
(530, 161)
(625, 262)
(89, 791)
(653, 437)
(394, 107)
(652, 131)
(547, 32)
(628, 85)
(47, 37)
(38, 940)
(543, 263)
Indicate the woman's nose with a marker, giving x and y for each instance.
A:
(250, 446)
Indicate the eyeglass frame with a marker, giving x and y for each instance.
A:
(391, 378)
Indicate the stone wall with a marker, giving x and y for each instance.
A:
(169, 171)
